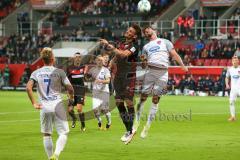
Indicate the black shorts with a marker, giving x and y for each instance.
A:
(124, 87)
(79, 94)
(78, 100)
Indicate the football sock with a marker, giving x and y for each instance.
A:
(82, 119)
(232, 109)
(131, 114)
(108, 116)
(61, 141)
(140, 107)
(71, 113)
(152, 113)
(48, 145)
(97, 115)
(123, 114)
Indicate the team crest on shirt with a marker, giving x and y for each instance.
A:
(159, 42)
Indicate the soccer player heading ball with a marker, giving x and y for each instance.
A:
(125, 58)
(156, 52)
(49, 82)
(233, 73)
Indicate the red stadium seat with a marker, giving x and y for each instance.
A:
(207, 62)
(215, 62)
(223, 62)
(199, 62)
(229, 63)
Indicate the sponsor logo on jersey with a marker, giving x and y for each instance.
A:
(154, 49)
(235, 76)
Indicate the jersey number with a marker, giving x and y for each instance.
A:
(48, 82)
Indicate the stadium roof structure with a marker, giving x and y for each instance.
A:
(68, 52)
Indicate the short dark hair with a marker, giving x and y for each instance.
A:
(137, 29)
(146, 27)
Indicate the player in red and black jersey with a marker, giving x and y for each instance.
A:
(126, 55)
(76, 76)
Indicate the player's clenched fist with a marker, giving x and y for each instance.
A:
(37, 106)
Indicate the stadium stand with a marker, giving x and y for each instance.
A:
(89, 20)
(7, 6)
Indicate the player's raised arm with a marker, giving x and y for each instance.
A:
(177, 58)
(122, 53)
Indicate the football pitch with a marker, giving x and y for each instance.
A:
(187, 128)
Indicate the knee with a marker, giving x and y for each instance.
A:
(129, 103)
(155, 99)
(70, 109)
(79, 108)
(105, 111)
(46, 134)
(143, 98)
(118, 102)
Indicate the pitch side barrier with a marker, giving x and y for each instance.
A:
(197, 70)
(16, 72)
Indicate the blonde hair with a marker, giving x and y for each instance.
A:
(47, 55)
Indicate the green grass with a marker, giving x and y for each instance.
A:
(207, 135)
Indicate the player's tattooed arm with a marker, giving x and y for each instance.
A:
(29, 89)
(177, 58)
(121, 53)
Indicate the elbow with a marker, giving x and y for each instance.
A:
(28, 88)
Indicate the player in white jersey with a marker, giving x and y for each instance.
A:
(49, 81)
(101, 76)
(233, 73)
(157, 52)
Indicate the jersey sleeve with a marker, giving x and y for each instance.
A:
(64, 78)
(108, 74)
(144, 51)
(34, 76)
(169, 45)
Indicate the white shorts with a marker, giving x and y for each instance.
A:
(155, 81)
(57, 118)
(234, 94)
(101, 100)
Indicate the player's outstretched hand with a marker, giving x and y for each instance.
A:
(37, 106)
(185, 69)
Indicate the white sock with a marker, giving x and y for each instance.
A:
(232, 109)
(152, 113)
(48, 145)
(108, 116)
(61, 141)
(140, 107)
(99, 119)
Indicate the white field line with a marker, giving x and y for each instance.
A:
(31, 120)
(22, 120)
(4, 113)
